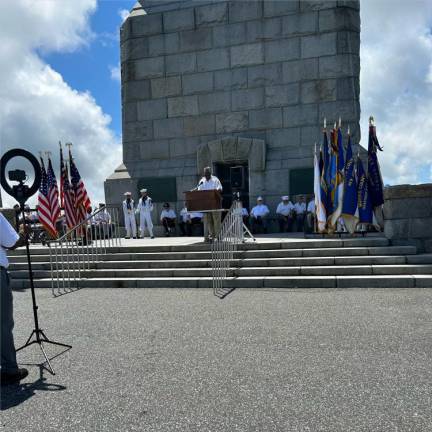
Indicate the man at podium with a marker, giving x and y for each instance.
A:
(212, 219)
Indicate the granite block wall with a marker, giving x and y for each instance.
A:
(197, 71)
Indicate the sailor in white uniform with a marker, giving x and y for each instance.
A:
(129, 216)
(145, 208)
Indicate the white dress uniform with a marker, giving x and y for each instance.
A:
(129, 217)
(260, 210)
(284, 209)
(145, 208)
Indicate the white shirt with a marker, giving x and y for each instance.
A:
(311, 206)
(168, 214)
(145, 205)
(125, 209)
(184, 215)
(196, 215)
(300, 208)
(8, 238)
(103, 217)
(211, 184)
(284, 209)
(260, 210)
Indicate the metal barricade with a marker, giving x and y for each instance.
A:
(79, 249)
(224, 248)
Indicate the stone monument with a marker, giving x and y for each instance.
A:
(233, 83)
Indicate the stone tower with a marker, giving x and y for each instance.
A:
(233, 83)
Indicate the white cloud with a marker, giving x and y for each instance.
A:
(37, 107)
(123, 13)
(115, 73)
(396, 85)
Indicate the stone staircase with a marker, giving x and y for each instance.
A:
(297, 263)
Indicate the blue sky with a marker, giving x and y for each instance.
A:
(88, 69)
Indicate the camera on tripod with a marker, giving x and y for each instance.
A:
(17, 175)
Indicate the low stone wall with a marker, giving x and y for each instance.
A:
(408, 215)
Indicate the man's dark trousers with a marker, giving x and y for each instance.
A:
(7, 348)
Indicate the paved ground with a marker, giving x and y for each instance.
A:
(182, 360)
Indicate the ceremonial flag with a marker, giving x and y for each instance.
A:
(319, 206)
(53, 193)
(331, 175)
(67, 195)
(339, 185)
(363, 198)
(375, 183)
(44, 209)
(82, 201)
(324, 170)
(350, 211)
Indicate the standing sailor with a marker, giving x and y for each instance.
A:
(145, 208)
(212, 219)
(129, 216)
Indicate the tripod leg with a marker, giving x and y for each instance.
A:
(45, 339)
(46, 358)
(27, 343)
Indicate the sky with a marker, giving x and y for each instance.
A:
(59, 69)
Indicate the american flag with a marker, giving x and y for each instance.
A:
(67, 195)
(82, 200)
(53, 193)
(44, 210)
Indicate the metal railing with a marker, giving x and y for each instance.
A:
(80, 248)
(224, 248)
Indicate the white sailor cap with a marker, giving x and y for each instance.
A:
(285, 198)
(127, 193)
(143, 190)
(260, 198)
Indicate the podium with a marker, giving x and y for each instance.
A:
(206, 200)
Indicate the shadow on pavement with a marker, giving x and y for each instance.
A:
(13, 395)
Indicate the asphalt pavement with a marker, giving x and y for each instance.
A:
(259, 360)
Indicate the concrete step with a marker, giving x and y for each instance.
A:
(249, 245)
(267, 253)
(248, 262)
(243, 271)
(369, 281)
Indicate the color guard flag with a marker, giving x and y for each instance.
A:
(364, 202)
(319, 206)
(44, 209)
(82, 201)
(67, 194)
(375, 183)
(53, 193)
(324, 170)
(332, 178)
(339, 185)
(350, 211)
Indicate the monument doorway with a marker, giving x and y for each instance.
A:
(234, 178)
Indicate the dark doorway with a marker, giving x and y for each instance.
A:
(234, 178)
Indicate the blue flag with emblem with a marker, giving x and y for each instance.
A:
(350, 207)
(364, 201)
(339, 183)
(324, 170)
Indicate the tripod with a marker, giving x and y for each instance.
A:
(39, 336)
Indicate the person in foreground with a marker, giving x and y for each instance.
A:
(212, 220)
(10, 372)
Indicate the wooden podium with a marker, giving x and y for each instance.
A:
(203, 200)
